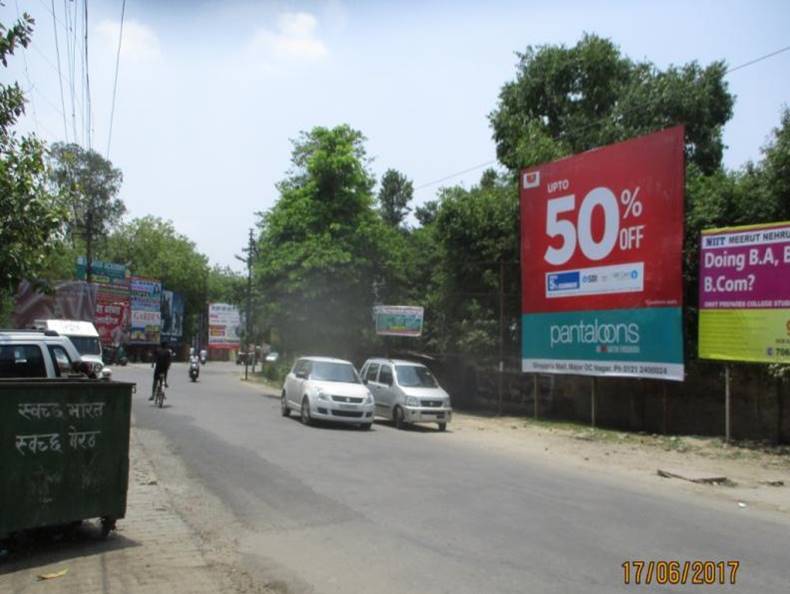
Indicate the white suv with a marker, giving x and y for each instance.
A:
(322, 388)
(30, 354)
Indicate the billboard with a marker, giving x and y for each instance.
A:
(398, 320)
(744, 293)
(601, 246)
(145, 296)
(224, 325)
(113, 310)
(172, 311)
(68, 300)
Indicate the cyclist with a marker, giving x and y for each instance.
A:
(161, 365)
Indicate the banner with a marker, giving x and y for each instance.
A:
(601, 247)
(224, 325)
(744, 294)
(398, 320)
(113, 310)
(70, 300)
(145, 296)
(172, 310)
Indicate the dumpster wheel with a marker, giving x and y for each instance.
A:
(107, 524)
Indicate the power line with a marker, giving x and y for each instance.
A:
(27, 73)
(88, 114)
(596, 122)
(60, 76)
(115, 84)
(71, 45)
(760, 59)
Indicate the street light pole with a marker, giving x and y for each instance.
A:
(251, 253)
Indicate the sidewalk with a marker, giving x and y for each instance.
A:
(152, 551)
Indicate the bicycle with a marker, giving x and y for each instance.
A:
(159, 391)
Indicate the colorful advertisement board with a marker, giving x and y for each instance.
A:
(601, 247)
(224, 325)
(398, 320)
(113, 310)
(172, 310)
(744, 293)
(145, 296)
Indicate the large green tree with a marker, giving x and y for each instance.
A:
(394, 196)
(30, 217)
(152, 247)
(90, 185)
(321, 247)
(567, 100)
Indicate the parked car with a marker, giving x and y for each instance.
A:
(33, 354)
(407, 392)
(323, 388)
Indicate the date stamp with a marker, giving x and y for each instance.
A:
(679, 573)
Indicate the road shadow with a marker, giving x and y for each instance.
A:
(45, 546)
(330, 426)
(411, 427)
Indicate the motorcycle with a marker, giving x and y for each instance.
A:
(194, 368)
(203, 356)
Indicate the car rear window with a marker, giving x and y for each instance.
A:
(22, 360)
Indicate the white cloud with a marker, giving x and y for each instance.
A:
(140, 42)
(294, 39)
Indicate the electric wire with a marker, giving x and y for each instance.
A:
(60, 75)
(115, 83)
(27, 75)
(595, 122)
(88, 114)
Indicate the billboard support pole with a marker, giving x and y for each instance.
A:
(664, 408)
(592, 403)
(535, 392)
(727, 403)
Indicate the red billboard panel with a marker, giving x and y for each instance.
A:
(601, 245)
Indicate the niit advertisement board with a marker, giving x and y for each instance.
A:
(601, 248)
(744, 294)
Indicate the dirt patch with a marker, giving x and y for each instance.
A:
(750, 474)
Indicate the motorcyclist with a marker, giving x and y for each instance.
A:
(161, 365)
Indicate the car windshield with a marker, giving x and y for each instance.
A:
(415, 376)
(326, 371)
(86, 345)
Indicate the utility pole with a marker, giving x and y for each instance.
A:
(252, 252)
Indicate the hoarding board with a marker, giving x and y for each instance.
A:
(744, 293)
(601, 247)
(145, 296)
(172, 310)
(224, 324)
(113, 310)
(398, 320)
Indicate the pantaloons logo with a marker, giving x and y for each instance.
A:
(612, 338)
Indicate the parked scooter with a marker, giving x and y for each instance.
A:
(194, 368)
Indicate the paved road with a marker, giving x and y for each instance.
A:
(386, 511)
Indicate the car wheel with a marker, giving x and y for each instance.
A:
(397, 417)
(305, 412)
(442, 426)
(286, 412)
(365, 426)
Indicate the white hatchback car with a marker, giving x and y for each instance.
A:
(322, 388)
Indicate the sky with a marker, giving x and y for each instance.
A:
(210, 92)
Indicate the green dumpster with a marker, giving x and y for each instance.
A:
(64, 452)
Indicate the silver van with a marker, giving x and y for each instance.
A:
(406, 392)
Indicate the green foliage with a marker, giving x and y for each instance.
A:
(394, 196)
(90, 184)
(151, 247)
(30, 217)
(226, 286)
(568, 100)
(321, 246)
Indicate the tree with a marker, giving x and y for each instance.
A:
(30, 217)
(152, 247)
(90, 185)
(568, 100)
(394, 196)
(321, 245)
